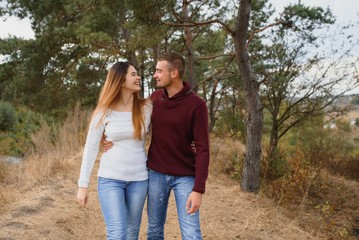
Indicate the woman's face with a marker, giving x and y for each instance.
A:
(133, 81)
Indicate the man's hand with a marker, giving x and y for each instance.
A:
(106, 145)
(193, 146)
(194, 202)
(82, 196)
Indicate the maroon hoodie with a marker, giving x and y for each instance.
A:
(176, 122)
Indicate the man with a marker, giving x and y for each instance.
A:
(179, 118)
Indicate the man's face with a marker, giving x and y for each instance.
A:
(163, 75)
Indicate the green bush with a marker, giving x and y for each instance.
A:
(230, 123)
(331, 149)
(355, 100)
(237, 166)
(343, 125)
(357, 122)
(277, 166)
(16, 141)
(7, 116)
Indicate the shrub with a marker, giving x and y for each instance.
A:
(347, 167)
(237, 162)
(276, 166)
(231, 124)
(16, 141)
(7, 116)
(295, 183)
(331, 149)
(343, 125)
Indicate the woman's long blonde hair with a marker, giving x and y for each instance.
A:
(110, 95)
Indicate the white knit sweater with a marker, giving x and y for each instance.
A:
(126, 160)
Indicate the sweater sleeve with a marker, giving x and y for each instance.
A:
(201, 140)
(147, 115)
(91, 149)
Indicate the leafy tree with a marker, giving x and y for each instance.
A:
(74, 43)
(296, 84)
(284, 95)
(241, 60)
(187, 29)
(254, 121)
(16, 140)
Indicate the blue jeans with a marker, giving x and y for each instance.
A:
(159, 189)
(122, 204)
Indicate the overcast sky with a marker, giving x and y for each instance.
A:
(344, 10)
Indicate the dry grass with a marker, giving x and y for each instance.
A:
(37, 197)
(352, 115)
(3, 171)
(54, 146)
(224, 151)
(49, 211)
(53, 149)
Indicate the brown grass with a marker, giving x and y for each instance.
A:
(224, 152)
(352, 115)
(52, 150)
(50, 211)
(50, 156)
(37, 197)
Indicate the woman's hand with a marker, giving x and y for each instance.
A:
(82, 196)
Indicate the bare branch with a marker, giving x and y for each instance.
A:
(195, 24)
(251, 36)
(213, 57)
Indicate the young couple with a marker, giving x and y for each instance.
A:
(126, 176)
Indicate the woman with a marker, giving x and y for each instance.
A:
(122, 176)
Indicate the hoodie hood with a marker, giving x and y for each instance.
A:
(171, 102)
(184, 91)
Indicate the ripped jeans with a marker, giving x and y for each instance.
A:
(159, 189)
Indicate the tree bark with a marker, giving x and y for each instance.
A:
(211, 108)
(250, 178)
(190, 57)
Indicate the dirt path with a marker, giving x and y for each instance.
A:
(51, 212)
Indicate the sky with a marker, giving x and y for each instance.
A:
(346, 13)
(344, 10)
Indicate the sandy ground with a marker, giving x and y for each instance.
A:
(50, 211)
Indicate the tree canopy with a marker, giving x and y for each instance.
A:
(240, 58)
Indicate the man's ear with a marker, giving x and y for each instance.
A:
(175, 73)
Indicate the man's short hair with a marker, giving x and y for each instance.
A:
(175, 61)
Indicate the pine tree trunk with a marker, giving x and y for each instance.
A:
(251, 166)
(189, 40)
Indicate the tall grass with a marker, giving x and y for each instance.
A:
(55, 146)
(226, 156)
